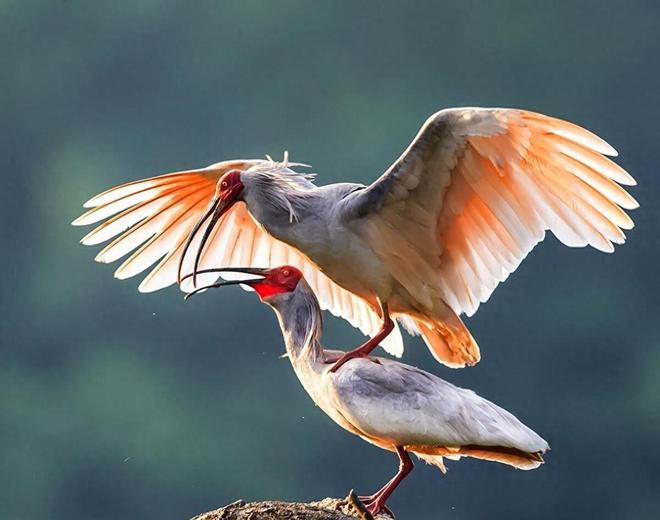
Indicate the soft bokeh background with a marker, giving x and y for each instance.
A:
(117, 405)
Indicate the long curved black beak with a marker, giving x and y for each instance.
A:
(217, 208)
(260, 272)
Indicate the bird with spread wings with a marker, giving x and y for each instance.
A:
(427, 241)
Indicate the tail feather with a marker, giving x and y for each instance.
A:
(449, 341)
(511, 456)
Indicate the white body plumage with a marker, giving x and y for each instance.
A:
(391, 404)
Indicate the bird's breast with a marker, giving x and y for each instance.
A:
(319, 383)
(343, 256)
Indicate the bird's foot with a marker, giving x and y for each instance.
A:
(376, 505)
(368, 506)
(331, 358)
(340, 360)
(344, 358)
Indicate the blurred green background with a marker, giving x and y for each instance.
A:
(117, 405)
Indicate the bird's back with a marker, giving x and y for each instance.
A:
(394, 403)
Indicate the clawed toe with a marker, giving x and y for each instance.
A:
(372, 505)
(346, 357)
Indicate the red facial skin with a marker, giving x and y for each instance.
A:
(229, 187)
(277, 281)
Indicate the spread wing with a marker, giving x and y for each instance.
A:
(478, 188)
(152, 218)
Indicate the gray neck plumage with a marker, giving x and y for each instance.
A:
(301, 322)
(278, 200)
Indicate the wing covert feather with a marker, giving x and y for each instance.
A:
(404, 405)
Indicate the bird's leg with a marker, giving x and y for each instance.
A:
(375, 503)
(365, 349)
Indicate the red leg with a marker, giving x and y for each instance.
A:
(365, 349)
(375, 503)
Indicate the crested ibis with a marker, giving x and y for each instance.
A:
(428, 240)
(394, 406)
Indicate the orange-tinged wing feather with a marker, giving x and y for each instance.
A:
(152, 218)
(480, 187)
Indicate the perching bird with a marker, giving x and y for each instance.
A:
(397, 407)
(430, 239)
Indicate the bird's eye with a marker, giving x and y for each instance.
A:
(286, 272)
(224, 184)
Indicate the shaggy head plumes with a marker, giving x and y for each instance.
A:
(284, 188)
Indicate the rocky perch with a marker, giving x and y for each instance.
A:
(324, 510)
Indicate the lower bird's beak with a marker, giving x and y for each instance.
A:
(261, 273)
(217, 208)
